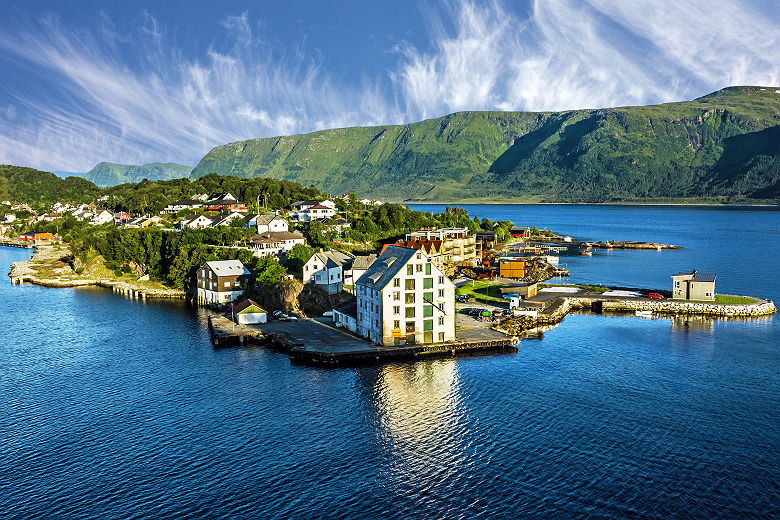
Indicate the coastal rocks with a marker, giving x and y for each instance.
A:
(758, 308)
(283, 297)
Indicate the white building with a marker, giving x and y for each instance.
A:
(274, 242)
(359, 266)
(267, 222)
(195, 222)
(326, 270)
(404, 299)
(308, 210)
(175, 207)
(102, 218)
(220, 281)
(345, 315)
(248, 311)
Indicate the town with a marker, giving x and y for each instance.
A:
(331, 280)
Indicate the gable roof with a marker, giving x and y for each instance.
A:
(266, 218)
(227, 267)
(386, 266)
(363, 262)
(245, 305)
(319, 206)
(349, 308)
(279, 235)
(702, 277)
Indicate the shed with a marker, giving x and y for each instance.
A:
(248, 311)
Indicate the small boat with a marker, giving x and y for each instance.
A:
(644, 314)
(586, 253)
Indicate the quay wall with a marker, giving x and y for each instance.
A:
(758, 308)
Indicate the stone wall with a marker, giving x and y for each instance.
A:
(759, 308)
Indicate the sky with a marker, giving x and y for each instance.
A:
(88, 81)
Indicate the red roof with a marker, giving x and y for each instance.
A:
(319, 206)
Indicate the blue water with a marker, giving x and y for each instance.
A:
(114, 408)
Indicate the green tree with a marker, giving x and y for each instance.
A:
(297, 257)
(268, 271)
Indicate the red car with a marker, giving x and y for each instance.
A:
(656, 296)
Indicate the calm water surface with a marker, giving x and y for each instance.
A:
(113, 408)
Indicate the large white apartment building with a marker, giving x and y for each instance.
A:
(403, 298)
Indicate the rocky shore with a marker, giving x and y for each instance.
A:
(49, 267)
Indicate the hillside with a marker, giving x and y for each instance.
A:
(20, 184)
(111, 174)
(723, 146)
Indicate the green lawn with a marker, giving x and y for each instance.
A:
(483, 290)
(724, 299)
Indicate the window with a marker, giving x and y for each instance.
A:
(396, 282)
(427, 283)
(419, 255)
(677, 284)
(409, 326)
(419, 268)
(397, 324)
(428, 297)
(227, 284)
(441, 293)
(441, 320)
(410, 297)
(396, 309)
(410, 285)
(410, 269)
(428, 325)
(441, 336)
(410, 312)
(397, 295)
(441, 279)
(428, 268)
(428, 311)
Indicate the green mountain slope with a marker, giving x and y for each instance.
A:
(111, 174)
(723, 146)
(20, 184)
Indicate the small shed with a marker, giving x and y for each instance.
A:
(523, 290)
(248, 311)
(345, 315)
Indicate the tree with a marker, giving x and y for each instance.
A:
(268, 271)
(297, 257)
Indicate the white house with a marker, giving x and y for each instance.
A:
(266, 222)
(403, 298)
(273, 242)
(326, 270)
(248, 312)
(102, 218)
(195, 222)
(175, 207)
(359, 266)
(224, 219)
(220, 281)
(308, 210)
(345, 315)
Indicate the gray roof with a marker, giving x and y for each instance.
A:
(701, 277)
(349, 308)
(227, 267)
(363, 262)
(265, 218)
(379, 274)
(334, 258)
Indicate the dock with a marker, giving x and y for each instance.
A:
(17, 243)
(225, 333)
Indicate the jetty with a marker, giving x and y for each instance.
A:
(17, 243)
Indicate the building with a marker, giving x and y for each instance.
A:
(345, 315)
(175, 207)
(520, 232)
(315, 212)
(248, 312)
(121, 217)
(266, 222)
(404, 299)
(274, 242)
(359, 266)
(104, 217)
(225, 219)
(143, 222)
(194, 221)
(36, 238)
(220, 281)
(693, 286)
(521, 290)
(326, 270)
(223, 202)
(514, 266)
(484, 241)
(458, 245)
(433, 249)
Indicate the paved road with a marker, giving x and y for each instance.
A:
(316, 334)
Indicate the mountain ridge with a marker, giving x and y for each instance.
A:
(721, 146)
(105, 174)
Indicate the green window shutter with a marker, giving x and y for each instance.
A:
(427, 283)
(428, 311)
(428, 297)
(428, 268)
(428, 325)
(410, 312)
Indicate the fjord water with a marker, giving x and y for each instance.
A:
(115, 408)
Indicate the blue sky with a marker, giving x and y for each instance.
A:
(87, 81)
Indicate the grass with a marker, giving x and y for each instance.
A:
(592, 288)
(723, 299)
(482, 291)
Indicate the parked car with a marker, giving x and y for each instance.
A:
(656, 296)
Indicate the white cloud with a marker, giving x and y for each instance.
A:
(561, 54)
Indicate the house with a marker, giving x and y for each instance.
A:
(345, 315)
(693, 286)
(194, 222)
(121, 217)
(223, 202)
(175, 207)
(21, 207)
(337, 223)
(326, 270)
(359, 266)
(273, 242)
(220, 281)
(370, 202)
(266, 222)
(248, 311)
(224, 219)
(104, 217)
(432, 248)
(520, 232)
(484, 241)
(458, 245)
(514, 266)
(403, 298)
(36, 238)
(521, 290)
(142, 222)
(316, 212)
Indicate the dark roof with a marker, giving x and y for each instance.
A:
(187, 203)
(701, 277)
(349, 308)
(217, 202)
(363, 262)
(265, 218)
(245, 304)
(392, 260)
(485, 234)
(279, 235)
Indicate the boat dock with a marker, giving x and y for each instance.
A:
(17, 243)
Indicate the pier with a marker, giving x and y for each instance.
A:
(17, 243)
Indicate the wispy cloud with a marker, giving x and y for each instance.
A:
(98, 104)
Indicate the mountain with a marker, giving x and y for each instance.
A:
(724, 146)
(111, 174)
(20, 184)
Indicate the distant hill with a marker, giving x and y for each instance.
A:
(724, 146)
(111, 174)
(20, 184)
